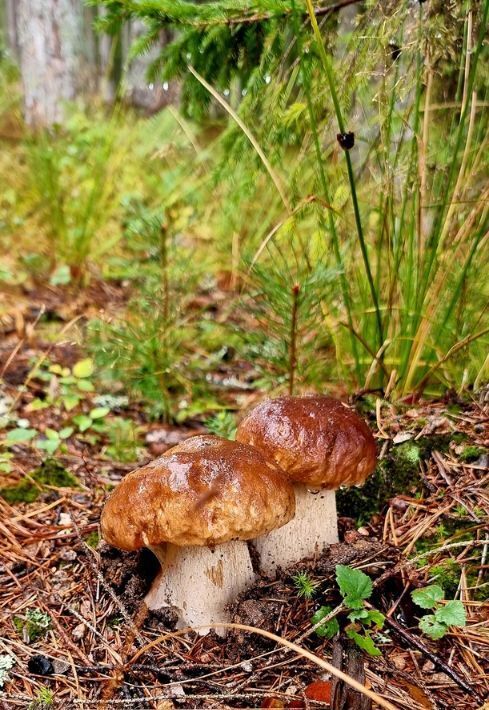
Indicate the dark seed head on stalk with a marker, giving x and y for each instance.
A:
(346, 140)
(395, 51)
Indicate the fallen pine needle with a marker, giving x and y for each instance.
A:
(278, 639)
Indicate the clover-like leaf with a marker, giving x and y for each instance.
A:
(430, 626)
(355, 586)
(83, 422)
(84, 368)
(99, 412)
(427, 597)
(18, 436)
(329, 628)
(452, 614)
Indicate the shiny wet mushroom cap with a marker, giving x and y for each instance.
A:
(203, 494)
(321, 444)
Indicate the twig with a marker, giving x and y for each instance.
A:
(278, 639)
(412, 640)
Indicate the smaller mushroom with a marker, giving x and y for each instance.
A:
(320, 444)
(195, 507)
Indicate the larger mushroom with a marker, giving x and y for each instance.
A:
(321, 444)
(194, 507)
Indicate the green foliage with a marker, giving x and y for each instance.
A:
(304, 585)
(124, 439)
(427, 597)
(33, 625)
(402, 216)
(149, 349)
(51, 473)
(437, 625)
(329, 628)
(45, 699)
(73, 174)
(222, 424)
(355, 586)
(287, 304)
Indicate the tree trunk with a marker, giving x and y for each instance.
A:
(149, 96)
(11, 28)
(50, 33)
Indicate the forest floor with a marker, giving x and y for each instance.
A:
(73, 624)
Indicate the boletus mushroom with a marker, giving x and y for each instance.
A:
(195, 507)
(321, 444)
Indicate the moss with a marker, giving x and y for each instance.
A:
(396, 473)
(472, 453)
(92, 540)
(23, 492)
(447, 575)
(50, 473)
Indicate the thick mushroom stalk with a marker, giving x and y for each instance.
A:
(320, 444)
(313, 528)
(200, 582)
(195, 507)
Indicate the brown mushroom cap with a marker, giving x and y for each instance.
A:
(205, 491)
(316, 440)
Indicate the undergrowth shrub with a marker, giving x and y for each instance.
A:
(149, 350)
(401, 195)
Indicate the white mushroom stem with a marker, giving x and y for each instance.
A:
(315, 526)
(199, 582)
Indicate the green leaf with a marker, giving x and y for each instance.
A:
(329, 628)
(66, 432)
(83, 422)
(85, 386)
(70, 401)
(358, 615)
(84, 368)
(51, 434)
(428, 597)
(68, 380)
(363, 642)
(375, 617)
(36, 405)
(355, 586)
(99, 412)
(431, 627)
(452, 614)
(60, 277)
(49, 445)
(17, 436)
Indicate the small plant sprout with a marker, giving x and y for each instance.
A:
(222, 424)
(304, 585)
(320, 444)
(355, 588)
(33, 626)
(184, 508)
(437, 624)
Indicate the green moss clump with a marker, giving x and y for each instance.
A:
(23, 492)
(92, 539)
(472, 453)
(447, 575)
(397, 473)
(49, 473)
(52, 473)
